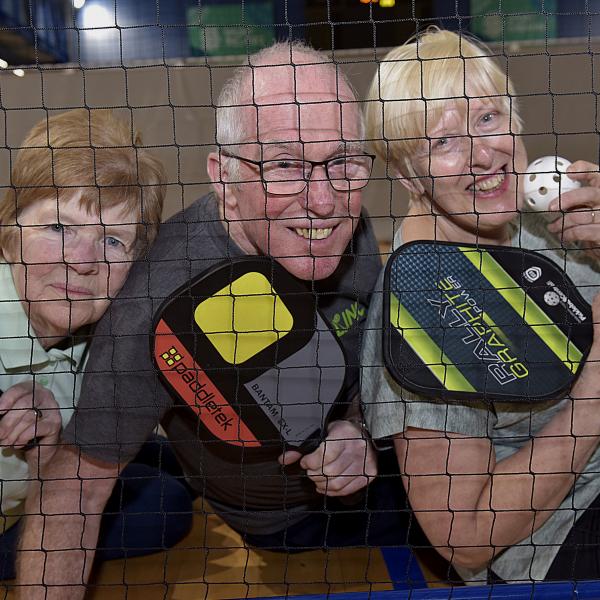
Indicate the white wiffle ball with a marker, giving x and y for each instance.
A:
(545, 179)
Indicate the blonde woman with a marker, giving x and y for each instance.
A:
(507, 492)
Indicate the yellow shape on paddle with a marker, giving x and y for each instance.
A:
(244, 317)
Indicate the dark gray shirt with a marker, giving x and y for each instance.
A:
(122, 399)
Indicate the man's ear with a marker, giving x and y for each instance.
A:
(215, 170)
(219, 175)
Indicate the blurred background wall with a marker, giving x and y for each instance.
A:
(161, 66)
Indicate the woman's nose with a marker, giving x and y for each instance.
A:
(482, 153)
(84, 256)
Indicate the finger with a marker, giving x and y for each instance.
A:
(27, 423)
(344, 464)
(332, 457)
(342, 486)
(289, 457)
(585, 172)
(38, 431)
(576, 218)
(314, 460)
(587, 239)
(594, 355)
(22, 416)
(347, 464)
(596, 314)
(580, 198)
(11, 420)
(28, 437)
(336, 456)
(10, 397)
(577, 232)
(26, 396)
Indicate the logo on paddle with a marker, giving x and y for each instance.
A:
(532, 274)
(171, 356)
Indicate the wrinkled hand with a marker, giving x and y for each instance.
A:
(342, 464)
(579, 220)
(29, 411)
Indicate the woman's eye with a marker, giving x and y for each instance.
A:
(113, 242)
(488, 117)
(56, 227)
(440, 142)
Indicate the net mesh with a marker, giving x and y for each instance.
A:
(211, 387)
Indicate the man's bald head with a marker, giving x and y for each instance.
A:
(278, 73)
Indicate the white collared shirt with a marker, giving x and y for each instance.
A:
(23, 358)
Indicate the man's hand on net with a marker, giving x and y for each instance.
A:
(344, 463)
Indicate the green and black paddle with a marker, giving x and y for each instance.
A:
(493, 323)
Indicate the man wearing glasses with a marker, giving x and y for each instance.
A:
(287, 178)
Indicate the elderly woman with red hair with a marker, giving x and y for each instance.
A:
(85, 202)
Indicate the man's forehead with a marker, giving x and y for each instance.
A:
(290, 83)
(308, 121)
(307, 103)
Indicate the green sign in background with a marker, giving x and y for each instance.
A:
(217, 29)
(510, 20)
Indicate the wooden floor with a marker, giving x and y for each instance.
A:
(212, 562)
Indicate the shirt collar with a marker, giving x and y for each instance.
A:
(18, 345)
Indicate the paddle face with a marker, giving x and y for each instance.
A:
(482, 323)
(245, 349)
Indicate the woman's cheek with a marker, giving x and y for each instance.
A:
(42, 248)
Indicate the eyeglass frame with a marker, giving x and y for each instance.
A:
(312, 163)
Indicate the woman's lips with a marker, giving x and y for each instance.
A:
(70, 291)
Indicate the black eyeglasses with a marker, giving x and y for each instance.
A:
(287, 176)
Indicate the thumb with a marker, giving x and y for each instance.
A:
(289, 457)
(596, 313)
(595, 351)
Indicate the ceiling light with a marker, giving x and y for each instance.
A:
(97, 16)
(19, 72)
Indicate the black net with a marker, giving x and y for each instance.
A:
(286, 321)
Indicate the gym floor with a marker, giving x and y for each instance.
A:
(212, 562)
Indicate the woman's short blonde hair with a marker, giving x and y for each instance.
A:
(91, 153)
(416, 81)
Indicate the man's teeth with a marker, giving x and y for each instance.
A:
(489, 184)
(314, 234)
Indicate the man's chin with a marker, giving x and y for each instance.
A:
(310, 267)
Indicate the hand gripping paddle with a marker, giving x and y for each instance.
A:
(481, 322)
(246, 350)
